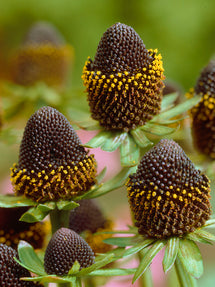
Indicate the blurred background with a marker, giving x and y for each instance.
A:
(182, 31)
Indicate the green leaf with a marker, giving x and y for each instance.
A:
(37, 213)
(53, 279)
(8, 201)
(177, 110)
(184, 278)
(159, 130)
(98, 140)
(103, 260)
(112, 184)
(114, 141)
(66, 205)
(29, 258)
(113, 272)
(139, 246)
(75, 268)
(190, 257)
(147, 259)
(168, 101)
(171, 252)
(196, 238)
(129, 152)
(205, 235)
(210, 223)
(101, 175)
(123, 241)
(140, 138)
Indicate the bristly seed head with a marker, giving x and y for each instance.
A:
(124, 82)
(64, 248)
(167, 195)
(203, 114)
(11, 271)
(52, 163)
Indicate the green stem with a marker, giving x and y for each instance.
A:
(59, 218)
(184, 278)
(146, 279)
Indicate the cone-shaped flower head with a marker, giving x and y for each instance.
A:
(52, 163)
(167, 195)
(43, 57)
(203, 114)
(12, 230)
(11, 271)
(89, 218)
(64, 248)
(124, 82)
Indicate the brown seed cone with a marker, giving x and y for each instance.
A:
(11, 271)
(167, 195)
(12, 230)
(203, 114)
(124, 82)
(64, 248)
(52, 163)
(42, 57)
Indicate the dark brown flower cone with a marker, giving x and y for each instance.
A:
(64, 248)
(52, 162)
(124, 82)
(167, 195)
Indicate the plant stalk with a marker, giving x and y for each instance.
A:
(59, 218)
(184, 278)
(146, 279)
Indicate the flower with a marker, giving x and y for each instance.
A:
(43, 57)
(64, 248)
(203, 115)
(89, 219)
(167, 195)
(11, 271)
(52, 162)
(124, 82)
(12, 230)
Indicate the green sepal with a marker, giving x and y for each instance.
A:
(147, 259)
(184, 278)
(194, 237)
(205, 235)
(86, 123)
(66, 205)
(138, 247)
(38, 212)
(177, 110)
(157, 129)
(168, 101)
(101, 261)
(123, 241)
(101, 175)
(75, 268)
(210, 223)
(98, 139)
(8, 201)
(113, 272)
(140, 138)
(129, 152)
(53, 279)
(29, 259)
(171, 252)
(190, 257)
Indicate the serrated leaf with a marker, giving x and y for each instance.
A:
(129, 152)
(114, 183)
(29, 258)
(66, 205)
(136, 248)
(159, 130)
(98, 140)
(171, 252)
(123, 241)
(147, 259)
(190, 257)
(177, 110)
(113, 141)
(103, 260)
(113, 272)
(140, 138)
(205, 235)
(184, 278)
(8, 201)
(75, 268)
(168, 101)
